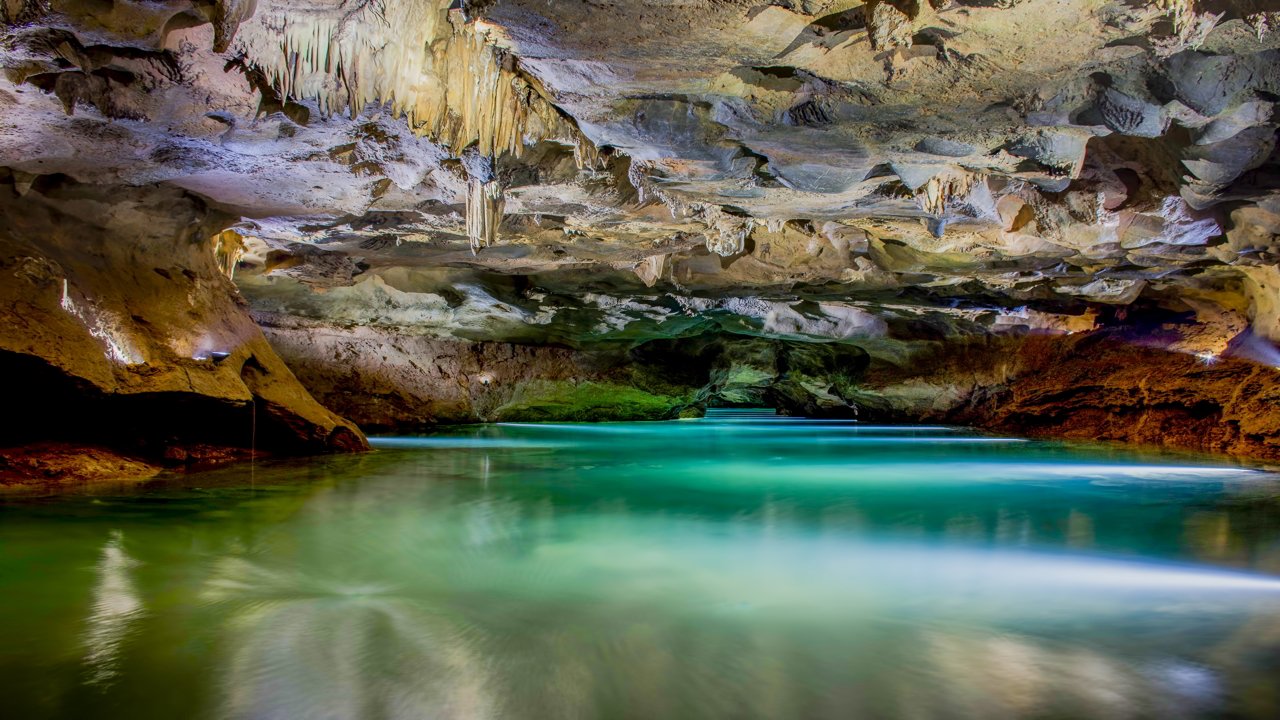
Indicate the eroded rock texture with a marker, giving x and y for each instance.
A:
(1100, 386)
(577, 200)
(402, 382)
(1096, 386)
(122, 333)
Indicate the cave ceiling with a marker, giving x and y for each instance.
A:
(565, 171)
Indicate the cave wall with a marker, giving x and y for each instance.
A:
(394, 381)
(119, 330)
(452, 212)
(1098, 386)
(1105, 385)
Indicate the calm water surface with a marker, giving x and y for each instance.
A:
(723, 568)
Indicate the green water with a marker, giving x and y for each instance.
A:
(721, 568)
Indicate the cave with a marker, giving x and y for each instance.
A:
(691, 359)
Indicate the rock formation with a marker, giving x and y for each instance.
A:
(128, 345)
(1047, 216)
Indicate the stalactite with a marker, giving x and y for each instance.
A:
(1263, 22)
(887, 26)
(1190, 27)
(941, 188)
(226, 16)
(228, 248)
(586, 154)
(726, 234)
(1182, 12)
(649, 270)
(485, 205)
(639, 179)
(435, 69)
(648, 191)
(13, 12)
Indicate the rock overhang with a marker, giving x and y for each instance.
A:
(955, 157)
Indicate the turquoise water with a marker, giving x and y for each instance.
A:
(740, 566)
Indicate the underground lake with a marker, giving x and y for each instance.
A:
(640, 359)
(741, 565)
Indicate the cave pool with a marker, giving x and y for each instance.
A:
(738, 566)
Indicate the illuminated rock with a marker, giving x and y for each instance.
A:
(885, 176)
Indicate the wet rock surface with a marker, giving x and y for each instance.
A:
(818, 205)
(1106, 390)
(1099, 386)
(385, 381)
(122, 333)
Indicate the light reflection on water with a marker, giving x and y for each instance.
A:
(739, 567)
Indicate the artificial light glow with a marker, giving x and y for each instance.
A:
(799, 426)
(103, 325)
(1258, 349)
(465, 443)
(1007, 572)
(116, 607)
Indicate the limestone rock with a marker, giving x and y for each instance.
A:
(127, 333)
(570, 181)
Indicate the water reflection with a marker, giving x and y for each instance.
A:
(305, 646)
(686, 572)
(115, 607)
(614, 612)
